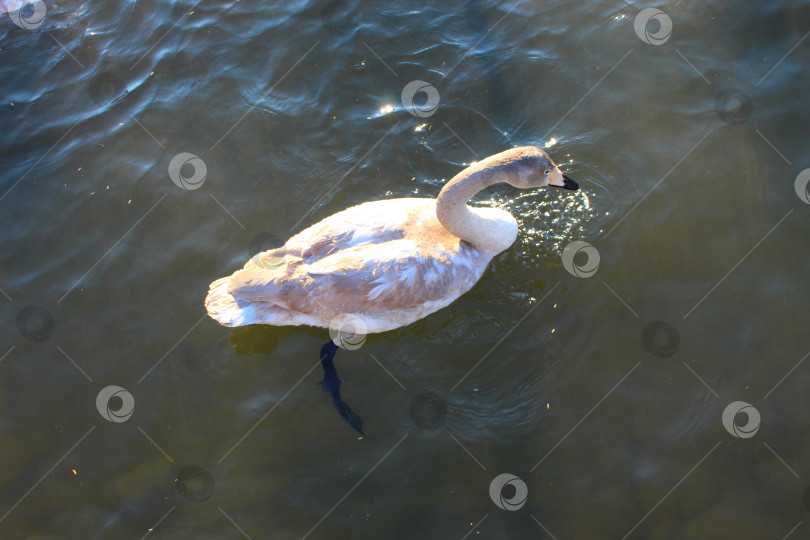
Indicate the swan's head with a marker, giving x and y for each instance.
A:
(531, 167)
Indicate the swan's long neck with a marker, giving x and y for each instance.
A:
(482, 229)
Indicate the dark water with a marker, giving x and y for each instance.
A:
(688, 153)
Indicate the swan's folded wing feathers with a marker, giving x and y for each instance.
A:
(256, 284)
(325, 243)
(368, 222)
(381, 278)
(265, 277)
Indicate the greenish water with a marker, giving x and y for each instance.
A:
(603, 395)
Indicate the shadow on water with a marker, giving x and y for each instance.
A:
(265, 338)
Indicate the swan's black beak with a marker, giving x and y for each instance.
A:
(567, 184)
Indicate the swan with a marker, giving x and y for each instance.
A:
(381, 265)
(384, 264)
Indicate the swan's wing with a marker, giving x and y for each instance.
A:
(377, 257)
(375, 222)
(369, 278)
(277, 275)
(391, 277)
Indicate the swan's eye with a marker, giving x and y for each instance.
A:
(547, 171)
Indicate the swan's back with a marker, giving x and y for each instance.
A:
(388, 262)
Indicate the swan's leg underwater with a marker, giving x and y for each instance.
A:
(331, 383)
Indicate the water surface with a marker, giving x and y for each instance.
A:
(688, 195)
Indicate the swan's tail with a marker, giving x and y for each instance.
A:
(222, 306)
(230, 310)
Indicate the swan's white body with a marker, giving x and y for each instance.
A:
(387, 263)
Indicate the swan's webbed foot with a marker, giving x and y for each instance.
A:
(349, 415)
(331, 383)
